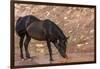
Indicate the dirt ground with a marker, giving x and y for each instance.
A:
(73, 57)
(42, 56)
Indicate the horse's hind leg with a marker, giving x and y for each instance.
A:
(21, 44)
(27, 40)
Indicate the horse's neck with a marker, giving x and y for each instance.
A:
(60, 34)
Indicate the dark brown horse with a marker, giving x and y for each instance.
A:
(42, 30)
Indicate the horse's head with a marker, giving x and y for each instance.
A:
(62, 45)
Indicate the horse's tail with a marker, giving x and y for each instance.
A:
(19, 25)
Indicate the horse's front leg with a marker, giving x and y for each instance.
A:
(50, 50)
(26, 46)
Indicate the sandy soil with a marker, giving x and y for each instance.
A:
(44, 59)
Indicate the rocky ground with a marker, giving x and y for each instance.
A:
(76, 22)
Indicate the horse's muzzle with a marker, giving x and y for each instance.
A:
(65, 56)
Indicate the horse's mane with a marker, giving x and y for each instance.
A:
(58, 31)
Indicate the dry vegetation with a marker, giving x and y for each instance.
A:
(76, 22)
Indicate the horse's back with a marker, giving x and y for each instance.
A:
(42, 29)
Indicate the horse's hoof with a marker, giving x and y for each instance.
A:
(28, 57)
(22, 57)
(51, 60)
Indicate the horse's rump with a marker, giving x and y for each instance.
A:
(23, 22)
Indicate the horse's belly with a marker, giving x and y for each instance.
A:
(36, 33)
(38, 36)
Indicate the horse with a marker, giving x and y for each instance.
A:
(46, 30)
